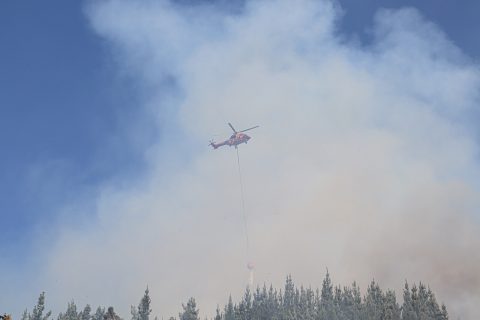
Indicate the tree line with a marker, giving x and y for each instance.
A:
(290, 303)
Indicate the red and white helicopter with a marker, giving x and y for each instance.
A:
(235, 139)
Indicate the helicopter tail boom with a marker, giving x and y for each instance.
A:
(213, 144)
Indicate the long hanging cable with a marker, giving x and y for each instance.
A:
(243, 206)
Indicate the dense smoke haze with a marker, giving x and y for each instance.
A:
(365, 162)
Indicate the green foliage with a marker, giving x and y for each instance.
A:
(37, 313)
(420, 304)
(229, 310)
(144, 307)
(326, 309)
(391, 309)
(70, 314)
(142, 312)
(334, 303)
(99, 314)
(218, 315)
(293, 303)
(85, 314)
(190, 311)
(373, 302)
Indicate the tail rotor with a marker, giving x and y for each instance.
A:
(212, 143)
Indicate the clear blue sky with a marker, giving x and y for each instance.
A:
(63, 104)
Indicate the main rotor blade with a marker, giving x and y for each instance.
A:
(250, 128)
(232, 127)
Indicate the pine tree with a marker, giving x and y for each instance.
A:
(306, 304)
(326, 309)
(408, 309)
(374, 302)
(218, 315)
(37, 313)
(288, 305)
(134, 313)
(229, 310)
(111, 315)
(338, 302)
(85, 314)
(348, 307)
(422, 304)
(245, 306)
(433, 309)
(144, 307)
(357, 302)
(273, 304)
(99, 313)
(259, 304)
(444, 313)
(415, 302)
(391, 309)
(70, 314)
(190, 311)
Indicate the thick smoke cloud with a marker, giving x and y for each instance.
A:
(364, 163)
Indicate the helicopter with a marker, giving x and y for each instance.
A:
(235, 139)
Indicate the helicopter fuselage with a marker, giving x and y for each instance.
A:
(234, 140)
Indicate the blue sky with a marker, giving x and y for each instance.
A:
(67, 109)
(457, 19)
(63, 106)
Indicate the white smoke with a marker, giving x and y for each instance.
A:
(364, 161)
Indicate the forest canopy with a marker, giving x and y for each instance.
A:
(291, 302)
